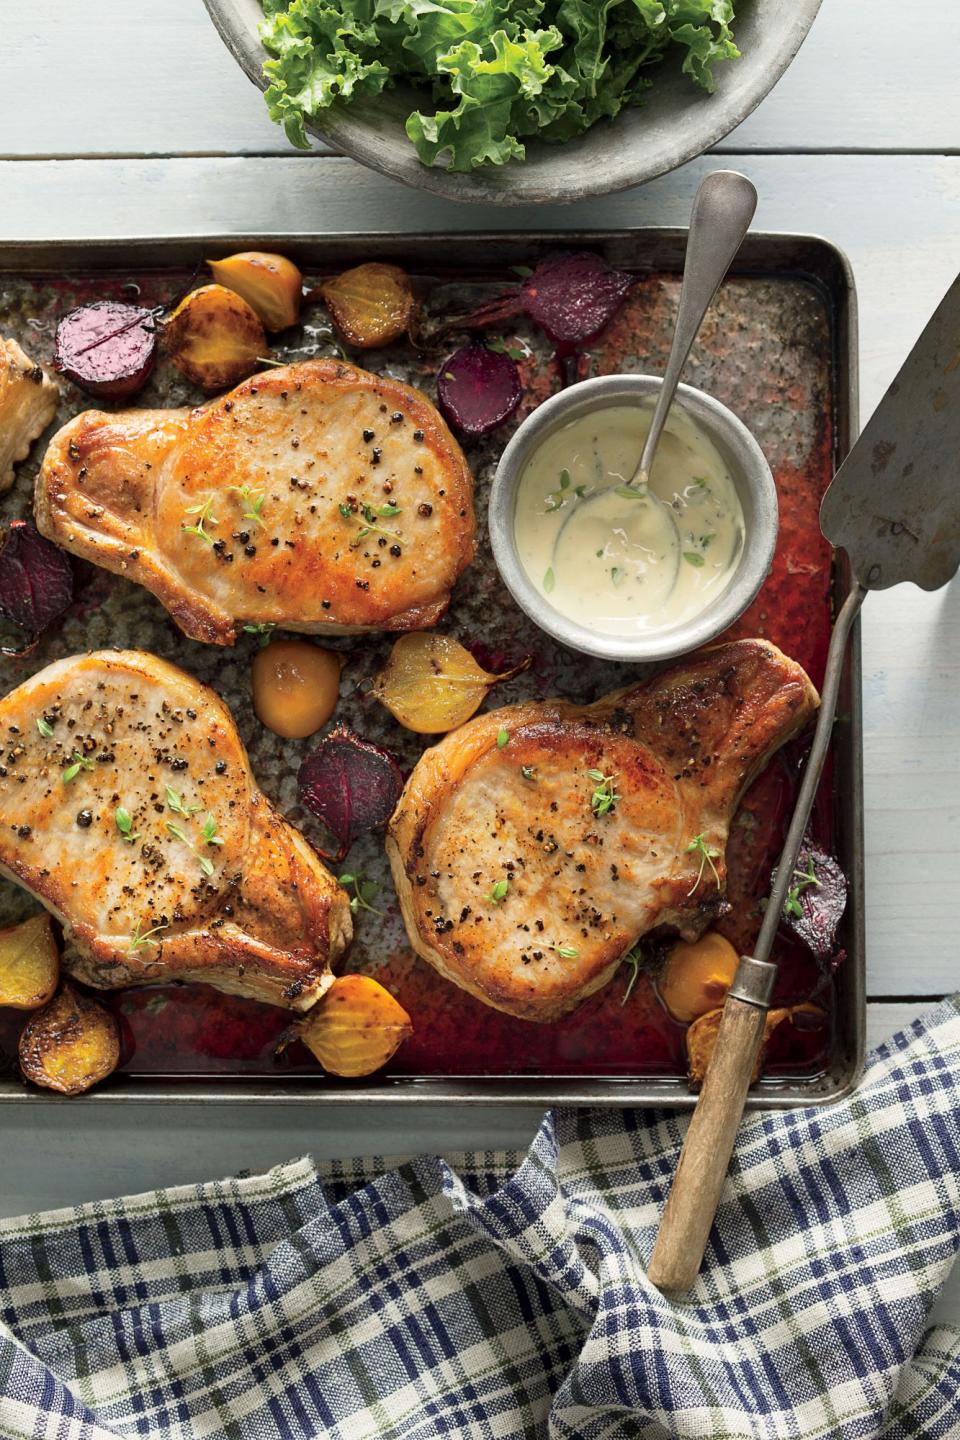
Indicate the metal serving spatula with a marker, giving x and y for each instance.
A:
(894, 507)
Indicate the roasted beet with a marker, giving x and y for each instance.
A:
(351, 785)
(816, 902)
(478, 389)
(106, 348)
(36, 585)
(571, 296)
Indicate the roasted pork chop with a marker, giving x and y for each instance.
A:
(526, 870)
(28, 402)
(128, 808)
(315, 496)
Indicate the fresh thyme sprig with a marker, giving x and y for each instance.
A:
(498, 892)
(707, 853)
(633, 959)
(208, 835)
(252, 499)
(370, 515)
(44, 726)
(566, 952)
(805, 878)
(76, 763)
(138, 939)
(205, 517)
(604, 796)
(263, 631)
(124, 823)
(363, 892)
(556, 499)
(175, 802)
(209, 832)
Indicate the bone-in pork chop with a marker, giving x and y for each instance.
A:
(526, 870)
(28, 402)
(128, 808)
(315, 496)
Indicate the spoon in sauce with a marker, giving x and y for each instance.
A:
(650, 539)
(722, 210)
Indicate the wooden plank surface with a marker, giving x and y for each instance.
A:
(155, 79)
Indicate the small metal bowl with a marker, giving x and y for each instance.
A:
(748, 470)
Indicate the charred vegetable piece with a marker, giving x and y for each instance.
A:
(355, 1028)
(702, 1036)
(697, 976)
(370, 304)
(107, 348)
(571, 296)
(478, 389)
(70, 1044)
(269, 283)
(574, 297)
(296, 686)
(431, 684)
(29, 964)
(816, 901)
(351, 785)
(215, 338)
(36, 585)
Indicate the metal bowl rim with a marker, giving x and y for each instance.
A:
(625, 164)
(760, 538)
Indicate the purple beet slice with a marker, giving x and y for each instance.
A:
(107, 348)
(36, 584)
(351, 785)
(815, 907)
(478, 389)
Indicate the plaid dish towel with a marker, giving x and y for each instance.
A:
(500, 1297)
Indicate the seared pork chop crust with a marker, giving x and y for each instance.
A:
(523, 888)
(315, 496)
(127, 807)
(28, 402)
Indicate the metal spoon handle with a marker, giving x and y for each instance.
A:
(722, 210)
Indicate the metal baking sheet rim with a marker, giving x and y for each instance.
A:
(767, 252)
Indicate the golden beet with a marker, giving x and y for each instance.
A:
(271, 284)
(702, 1037)
(432, 684)
(355, 1027)
(214, 338)
(70, 1044)
(370, 305)
(697, 976)
(296, 686)
(29, 963)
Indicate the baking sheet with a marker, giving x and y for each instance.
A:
(778, 348)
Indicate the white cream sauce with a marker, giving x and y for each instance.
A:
(620, 561)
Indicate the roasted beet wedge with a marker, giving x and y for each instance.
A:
(106, 348)
(478, 389)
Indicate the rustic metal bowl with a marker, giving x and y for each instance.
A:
(750, 474)
(675, 123)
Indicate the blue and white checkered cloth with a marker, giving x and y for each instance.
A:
(496, 1296)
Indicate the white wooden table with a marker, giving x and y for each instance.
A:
(119, 119)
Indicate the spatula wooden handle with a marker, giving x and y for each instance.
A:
(695, 1193)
